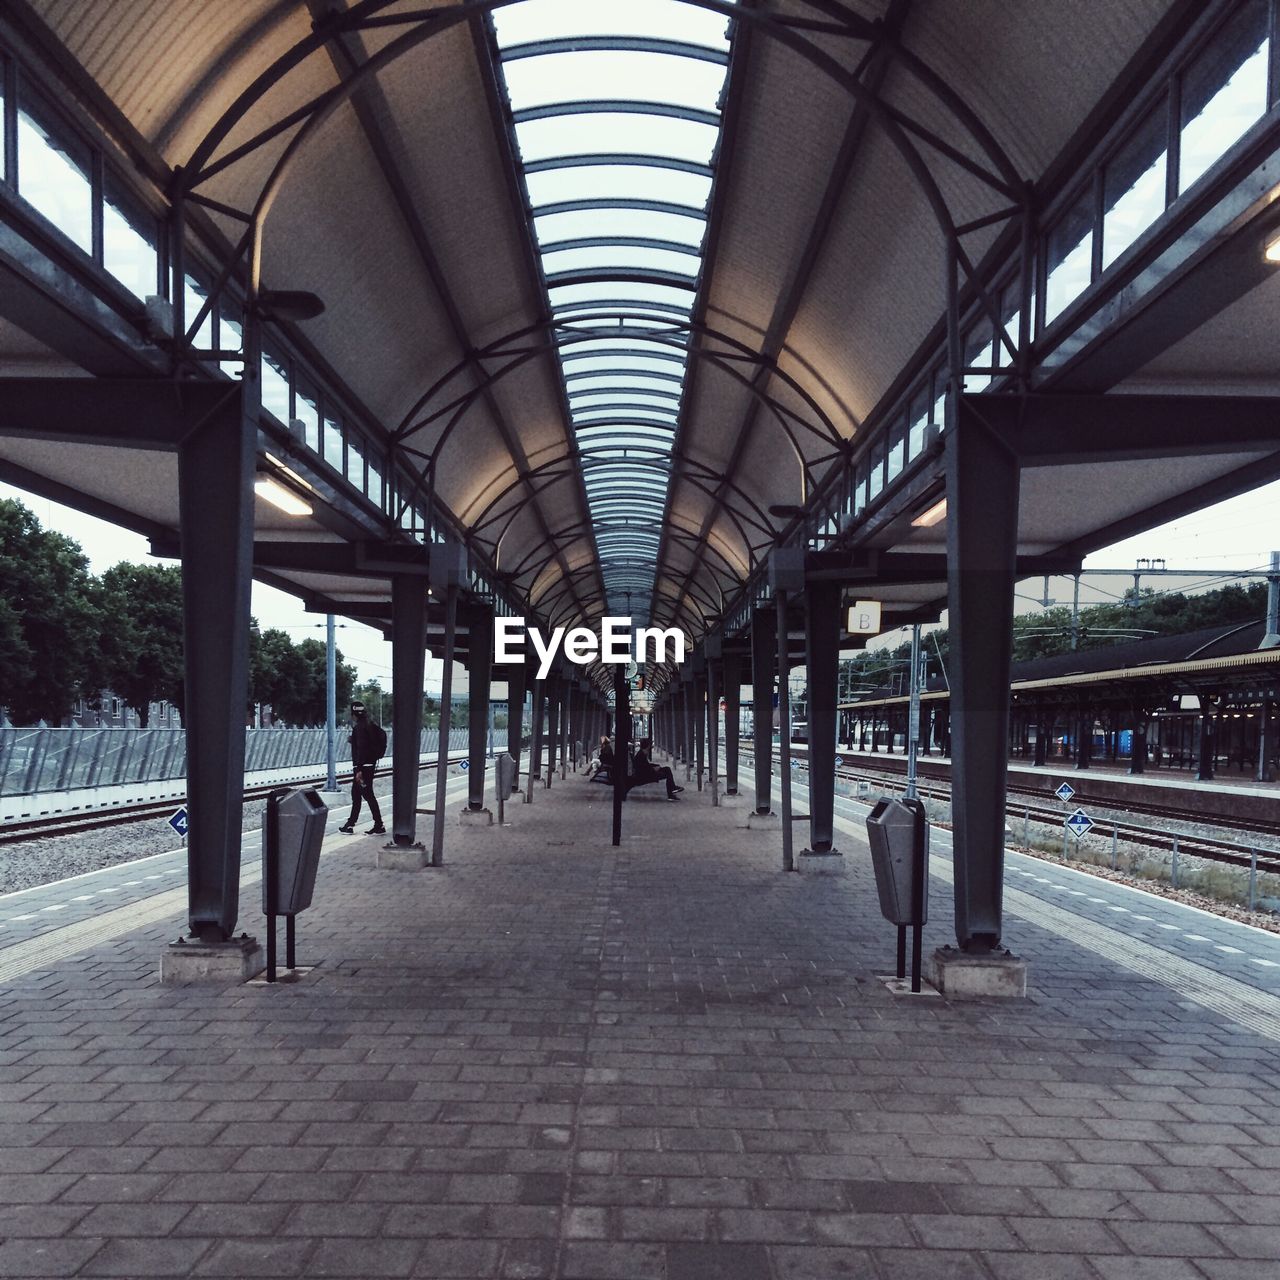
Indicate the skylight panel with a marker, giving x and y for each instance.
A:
(597, 133)
(612, 74)
(556, 19)
(656, 225)
(623, 257)
(617, 182)
(616, 107)
(625, 291)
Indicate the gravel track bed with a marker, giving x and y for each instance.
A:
(28, 863)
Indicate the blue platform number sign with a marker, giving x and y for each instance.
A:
(839, 761)
(464, 765)
(1079, 823)
(1065, 792)
(179, 821)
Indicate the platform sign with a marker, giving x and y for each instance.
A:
(839, 761)
(464, 765)
(1065, 792)
(1079, 824)
(179, 821)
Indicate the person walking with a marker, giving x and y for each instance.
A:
(368, 744)
(643, 770)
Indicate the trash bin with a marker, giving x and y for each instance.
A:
(899, 838)
(505, 775)
(504, 783)
(292, 833)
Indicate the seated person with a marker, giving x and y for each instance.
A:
(643, 770)
(603, 769)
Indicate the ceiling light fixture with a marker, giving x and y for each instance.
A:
(269, 489)
(1272, 252)
(931, 515)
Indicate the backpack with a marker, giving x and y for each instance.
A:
(378, 737)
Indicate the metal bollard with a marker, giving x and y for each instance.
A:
(1253, 877)
(1115, 840)
(1026, 829)
(1173, 869)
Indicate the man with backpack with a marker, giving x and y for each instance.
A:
(368, 745)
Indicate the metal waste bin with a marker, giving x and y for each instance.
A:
(504, 782)
(899, 838)
(292, 833)
(504, 770)
(294, 825)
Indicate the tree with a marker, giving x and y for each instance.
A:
(291, 677)
(141, 643)
(50, 621)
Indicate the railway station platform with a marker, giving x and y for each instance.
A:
(668, 1061)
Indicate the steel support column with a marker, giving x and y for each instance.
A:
(762, 674)
(446, 723)
(215, 495)
(479, 682)
(688, 695)
(982, 529)
(700, 724)
(536, 712)
(784, 729)
(554, 684)
(516, 680)
(621, 745)
(713, 728)
(822, 658)
(732, 671)
(408, 658)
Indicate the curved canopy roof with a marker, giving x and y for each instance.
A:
(623, 281)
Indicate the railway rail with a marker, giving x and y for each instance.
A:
(63, 824)
(1242, 851)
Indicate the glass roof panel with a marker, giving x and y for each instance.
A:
(588, 382)
(618, 182)
(577, 224)
(621, 291)
(610, 132)
(552, 19)
(622, 257)
(610, 74)
(588, 363)
(602, 132)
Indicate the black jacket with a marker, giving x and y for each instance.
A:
(365, 741)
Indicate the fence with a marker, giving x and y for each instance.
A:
(39, 760)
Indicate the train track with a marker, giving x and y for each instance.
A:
(64, 824)
(1239, 851)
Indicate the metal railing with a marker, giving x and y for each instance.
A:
(33, 761)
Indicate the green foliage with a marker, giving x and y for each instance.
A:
(50, 619)
(291, 678)
(141, 647)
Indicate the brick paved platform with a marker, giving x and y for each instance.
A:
(668, 1062)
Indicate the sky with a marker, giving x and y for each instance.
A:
(1235, 535)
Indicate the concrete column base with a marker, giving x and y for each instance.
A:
(476, 818)
(762, 821)
(731, 802)
(189, 960)
(960, 975)
(402, 857)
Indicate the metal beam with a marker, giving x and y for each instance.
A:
(1049, 430)
(134, 413)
